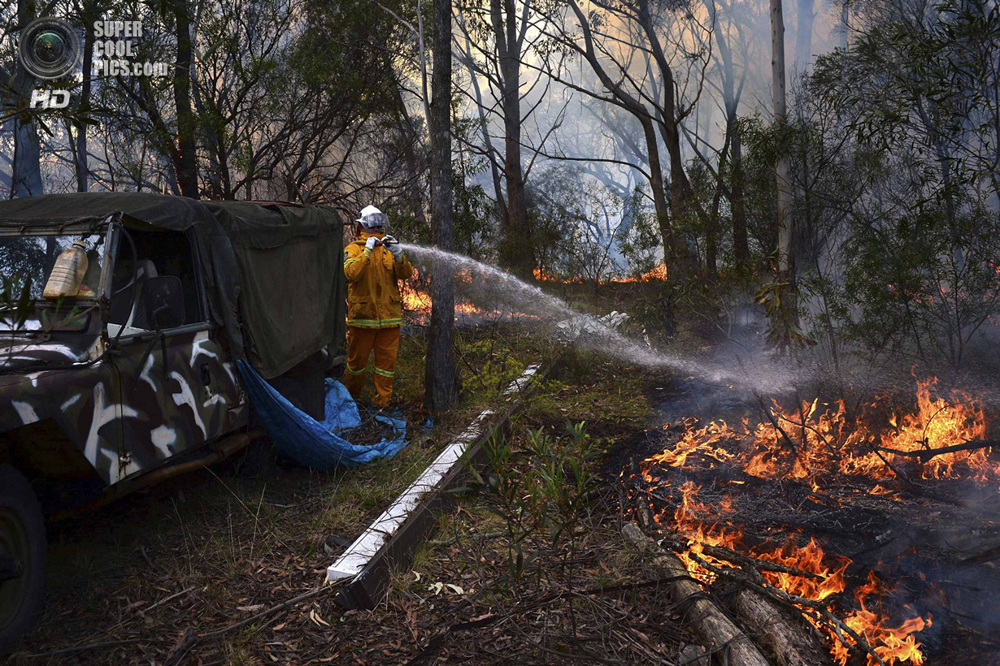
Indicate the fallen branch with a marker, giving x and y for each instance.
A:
(676, 543)
(723, 553)
(839, 626)
(777, 426)
(143, 611)
(927, 454)
(982, 558)
(793, 643)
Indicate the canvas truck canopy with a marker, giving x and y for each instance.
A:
(293, 290)
(273, 272)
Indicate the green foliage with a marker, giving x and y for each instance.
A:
(578, 224)
(542, 507)
(16, 303)
(488, 364)
(901, 134)
(927, 286)
(475, 215)
(641, 243)
(783, 331)
(762, 144)
(924, 86)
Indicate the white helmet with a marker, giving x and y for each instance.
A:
(372, 218)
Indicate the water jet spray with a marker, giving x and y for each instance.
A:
(523, 298)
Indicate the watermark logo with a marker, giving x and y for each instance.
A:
(49, 99)
(115, 52)
(49, 48)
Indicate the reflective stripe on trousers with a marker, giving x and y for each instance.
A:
(361, 342)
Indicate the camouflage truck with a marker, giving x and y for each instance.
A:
(133, 378)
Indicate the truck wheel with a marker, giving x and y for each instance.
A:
(22, 557)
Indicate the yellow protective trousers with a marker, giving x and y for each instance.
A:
(360, 343)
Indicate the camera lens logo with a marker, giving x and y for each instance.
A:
(49, 48)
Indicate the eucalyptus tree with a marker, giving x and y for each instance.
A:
(918, 91)
(650, 59)
(440, 373)
(495, 38)
(735, 23)
(785, 221)
(25, 177)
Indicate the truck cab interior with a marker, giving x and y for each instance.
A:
(158, 254)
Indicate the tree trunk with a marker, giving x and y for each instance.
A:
(26, 176)
(787, 641)
(660, 204)
(682, 199)
(186, 158)
(676, 266)
(677, 263)
(785, 222)
(786, 265)
(843, 28)
(439, 375)
(731, 99)
(741, 245)
(803, 35)
(82, 156)
(712, 227)
(517, 250)
(26, 170)
(716, 631)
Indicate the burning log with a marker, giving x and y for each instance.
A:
(790, 641)
(769, 510)
(786, 638)
(848, 637)
(746, 562)
(710, 624)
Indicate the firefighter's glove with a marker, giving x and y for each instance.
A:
(370, 244)
(393, 245)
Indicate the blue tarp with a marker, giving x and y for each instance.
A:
(310, 442)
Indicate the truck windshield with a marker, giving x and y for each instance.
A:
(28, 260)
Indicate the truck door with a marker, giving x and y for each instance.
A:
(178, 379)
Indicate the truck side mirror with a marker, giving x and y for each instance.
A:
(163, 302)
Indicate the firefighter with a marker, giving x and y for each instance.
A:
(374, 264)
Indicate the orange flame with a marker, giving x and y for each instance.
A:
(812, 444)
(417, 304)
(543, 275)
(816, 443)
(891, 644)
(658, 273)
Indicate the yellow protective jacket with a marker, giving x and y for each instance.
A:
(373, 298)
